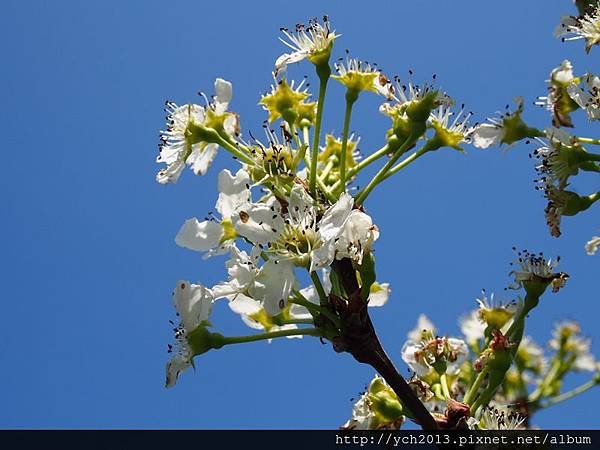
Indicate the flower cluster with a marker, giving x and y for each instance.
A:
(297, 240)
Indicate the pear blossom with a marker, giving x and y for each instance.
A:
(499, 130)
(498, 419)
(407, 95)
(313, 42)
(270, 284)
(378, 408)
(534, 267)
(193, 303)
(558, 100)
(213, 236)
(586, 27)
(557, 159)
(495, 313)
(450, 133)
(296, 235)
(362, 415)
(566, 338)
(591, 247)
(428, 351)
(360, 76)
(588, 98)
(179, 145)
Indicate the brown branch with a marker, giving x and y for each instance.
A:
(358, 337)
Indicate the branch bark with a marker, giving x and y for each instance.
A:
(358, 337)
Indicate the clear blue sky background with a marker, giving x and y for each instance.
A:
(88, 257)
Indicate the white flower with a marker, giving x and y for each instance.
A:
(208, 236)
(295, 235)
(555, 158)
(592, 245)
(270, 285)
(427, 350)
(494, 132)
(472, 327)
(588, 99)
(179, 147)
(377, 409)
(560, 78)
(362, 415)
(500, 419)
(451, 133)
(306, 42)
(359, 76)
(567, 338)
(193, 303)
(586, 27)
(406, 94)
(529, 267)
(357, 235)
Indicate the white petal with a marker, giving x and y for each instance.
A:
(356, 237)
(174, 367)
(259, 223)
(379, 294)
(592, 245)
(199, 236)
(223, 91)
(322, 256)
(233, 192)
(300, 208)
(423, 324)
(202, 157)
(242, 304)
(193, 302)
(408, 356)
(335, 217)
(289, 58)
(274, 284)
(471, 327)
(487, 134)
(461, 350)
(171, 173)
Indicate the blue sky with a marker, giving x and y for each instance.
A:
(88, 256)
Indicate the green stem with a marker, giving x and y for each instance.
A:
(235, 151)
(515, 328)
(315, 310)
(569, 394)
(549, 377)
(295, 322)
(592, 157)
(591, 141)
(319, 287)
(444, 384)
(484, 398)
(270, 335)
(350, 99)
(312, 182)
(470, 395)
(589, 166)
(368, 160)
(378, 178)
(409, 159)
